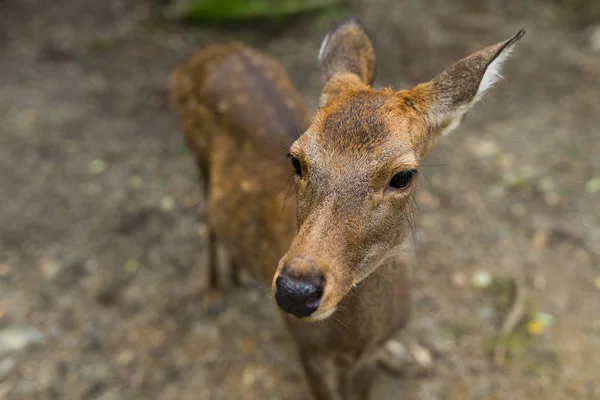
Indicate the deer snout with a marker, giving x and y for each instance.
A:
(299, 294)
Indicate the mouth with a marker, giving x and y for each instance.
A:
(319, 316)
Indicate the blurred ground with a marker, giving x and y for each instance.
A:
(101, 221)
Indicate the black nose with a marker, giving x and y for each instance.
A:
(299, 297)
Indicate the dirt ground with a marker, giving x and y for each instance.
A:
(101, 221)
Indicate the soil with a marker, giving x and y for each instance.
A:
(101, 219)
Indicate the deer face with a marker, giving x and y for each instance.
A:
(356, 167)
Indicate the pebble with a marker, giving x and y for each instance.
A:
(395, 355)
(16, 339)
(481, 279)
(421, 355)
(167, 203)
(459, 280)
(248, 377)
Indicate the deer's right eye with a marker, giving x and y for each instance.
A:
(296, 164)
(403, 179)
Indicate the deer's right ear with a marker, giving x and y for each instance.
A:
(346, 59)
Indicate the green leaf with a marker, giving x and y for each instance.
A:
(217, 11)
(593, 185)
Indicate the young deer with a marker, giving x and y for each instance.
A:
(331, 253)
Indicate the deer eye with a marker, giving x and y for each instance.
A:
(296, 164)
(403, 179)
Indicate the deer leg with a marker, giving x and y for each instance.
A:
(358, 379)
(323, 377)
(214, 302)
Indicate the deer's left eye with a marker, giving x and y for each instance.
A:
(403, 179)
(296, 165)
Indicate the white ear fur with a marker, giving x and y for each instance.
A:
(492, 74)
(490, 77)
(323, 45)
(455, 121)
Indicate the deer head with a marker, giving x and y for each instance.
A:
(356, 166)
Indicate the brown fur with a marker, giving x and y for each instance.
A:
(344, 222)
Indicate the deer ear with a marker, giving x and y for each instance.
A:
(346, 59)
(456, 90)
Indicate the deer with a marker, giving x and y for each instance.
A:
(318, 208)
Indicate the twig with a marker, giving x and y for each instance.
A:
(514, 316)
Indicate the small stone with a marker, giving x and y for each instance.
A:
(97, 166)
(481, 279)
(459, 280)
(6, 367)
(396, 348)
(421, 355)
(248, 377)
(167, 203)
(16, 339)
(395, 355)
(597, 282)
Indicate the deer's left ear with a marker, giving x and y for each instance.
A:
(452, 93)
(346, 60)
